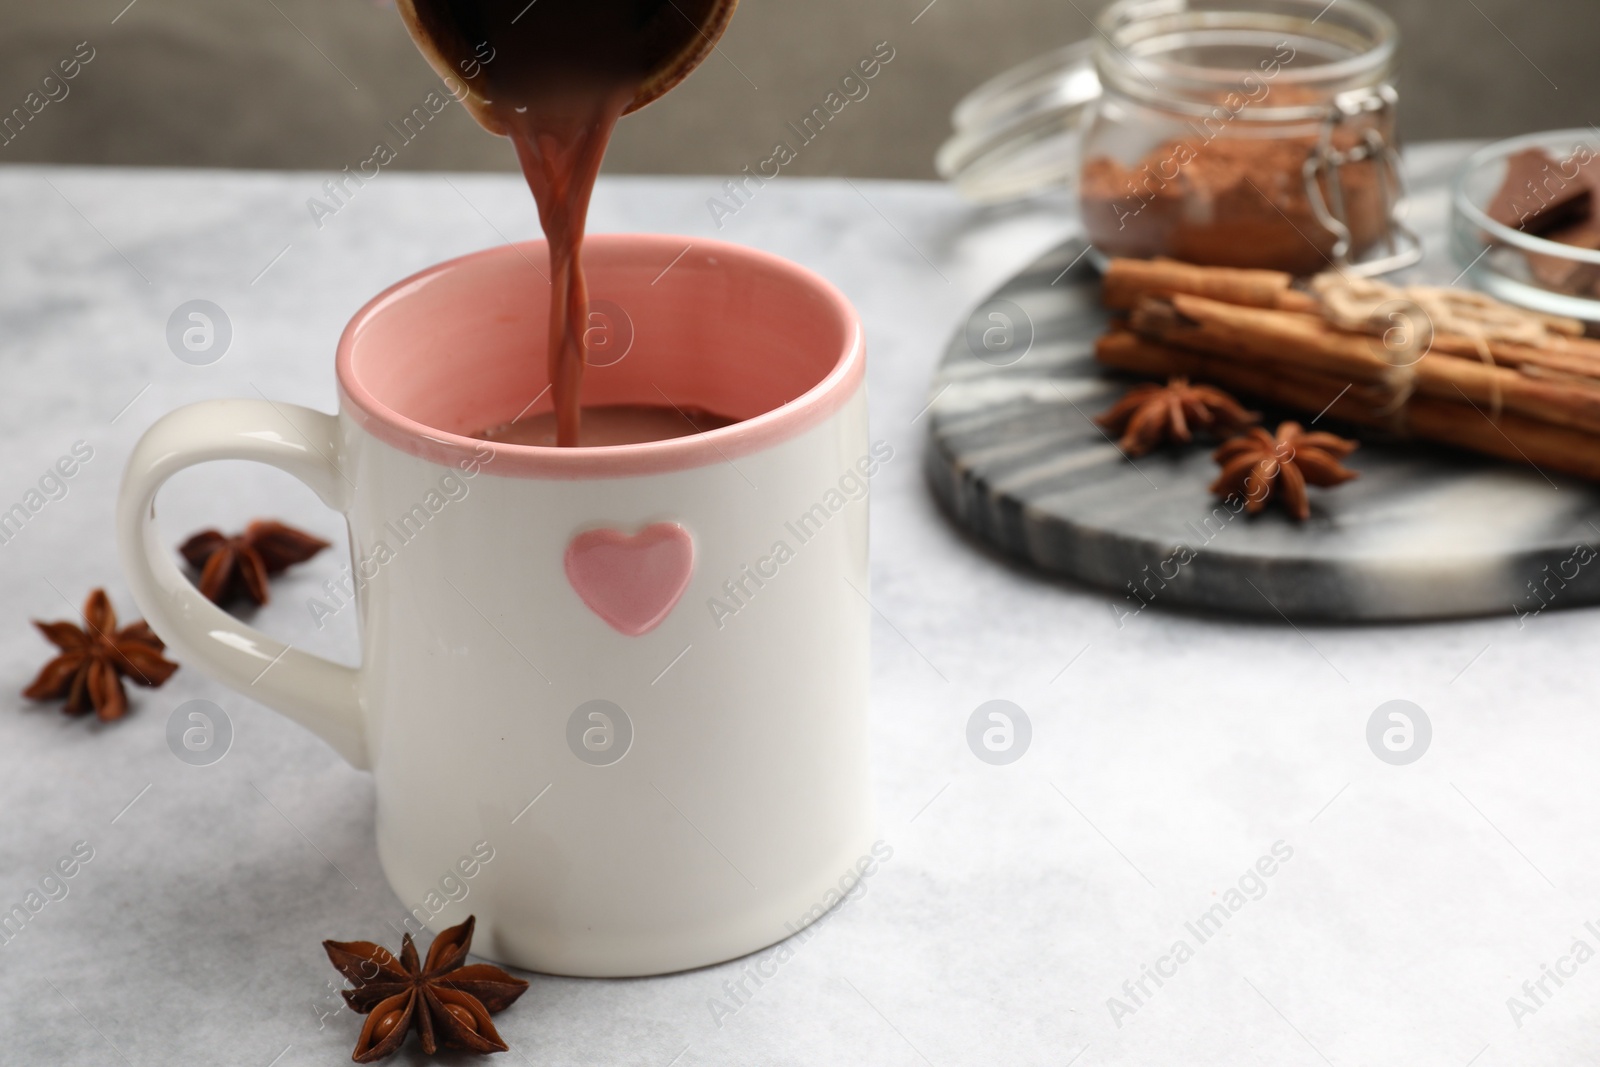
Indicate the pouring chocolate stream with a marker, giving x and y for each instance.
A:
(562, 73)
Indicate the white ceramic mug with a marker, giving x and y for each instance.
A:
(614, 699)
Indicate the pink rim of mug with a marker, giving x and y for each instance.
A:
(780, 423)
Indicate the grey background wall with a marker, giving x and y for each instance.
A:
(312, 83)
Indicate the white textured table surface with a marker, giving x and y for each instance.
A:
(1168, 754)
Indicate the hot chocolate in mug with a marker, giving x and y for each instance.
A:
(638, 673)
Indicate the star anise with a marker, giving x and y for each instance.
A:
(448, 1004)
(1259, 466)
(1150, 414)
(239, 566)
(95, 658)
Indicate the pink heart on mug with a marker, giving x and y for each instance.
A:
(633, 583)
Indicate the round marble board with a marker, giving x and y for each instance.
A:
(1015, 457)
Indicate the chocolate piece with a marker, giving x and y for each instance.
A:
(1541, 194)
(1565, 275)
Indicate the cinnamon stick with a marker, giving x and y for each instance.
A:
(1509, 436)
(1287, 342)
(1261, 335)
(1574, 404)
(1563, 356)
(1305, 391)
(1126, 280)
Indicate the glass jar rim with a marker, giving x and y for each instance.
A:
(1369, 33)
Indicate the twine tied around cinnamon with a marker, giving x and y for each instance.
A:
(1408, 318)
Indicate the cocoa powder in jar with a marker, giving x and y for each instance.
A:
(1229, 202)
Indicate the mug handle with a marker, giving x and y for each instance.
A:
(319, 694)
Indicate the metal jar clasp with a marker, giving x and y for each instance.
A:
(1324, 169)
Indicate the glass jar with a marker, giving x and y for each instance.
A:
(1245, 133)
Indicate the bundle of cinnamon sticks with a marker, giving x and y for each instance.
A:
(1497, 380)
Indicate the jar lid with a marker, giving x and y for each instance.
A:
(1017, 134)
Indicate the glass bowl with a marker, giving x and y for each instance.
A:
(1519, 268)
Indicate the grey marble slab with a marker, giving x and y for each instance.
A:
(1169, 751)
(1424, 532)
